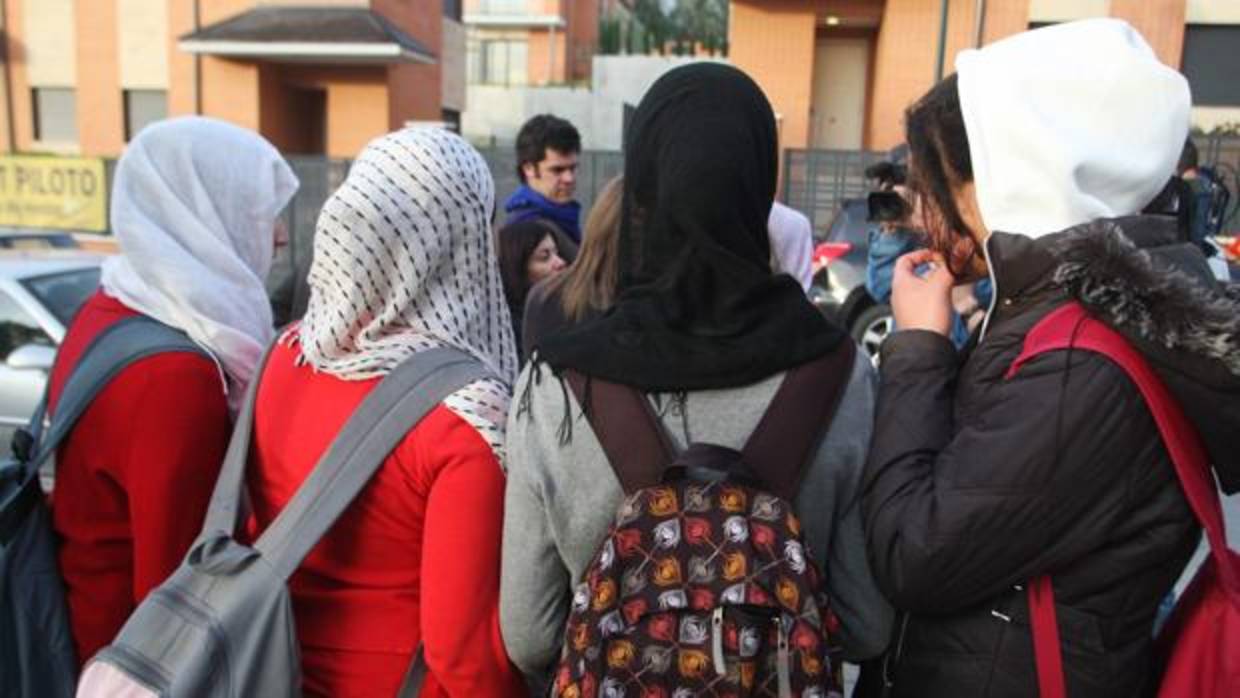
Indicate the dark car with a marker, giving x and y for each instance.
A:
(841, 258)
(36, 239)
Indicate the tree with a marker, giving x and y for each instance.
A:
(678, 25)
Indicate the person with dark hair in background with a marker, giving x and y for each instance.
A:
(986, 473)
(1201, 189)
(529, 252)
(588, 286)
(548, 149)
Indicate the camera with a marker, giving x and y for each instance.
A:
(886, 205)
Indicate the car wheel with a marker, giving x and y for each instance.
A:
(871, 329)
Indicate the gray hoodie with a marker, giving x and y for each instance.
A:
(562, 499)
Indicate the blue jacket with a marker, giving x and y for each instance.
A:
(525, 203)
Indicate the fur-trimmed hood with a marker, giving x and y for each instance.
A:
(1164, 294)
(1137, 276)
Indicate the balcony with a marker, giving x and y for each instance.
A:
(524, 14)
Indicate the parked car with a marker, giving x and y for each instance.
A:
(840, 261)
(39, 294)
(36, 239)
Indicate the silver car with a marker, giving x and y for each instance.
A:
(39, 294)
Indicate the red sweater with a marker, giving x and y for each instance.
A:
(133, 477)
(414, 559)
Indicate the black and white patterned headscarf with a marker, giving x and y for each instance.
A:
(404, 262)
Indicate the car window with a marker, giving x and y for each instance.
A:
(64, 292)
(18, 328)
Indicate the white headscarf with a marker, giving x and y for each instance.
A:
(194, 206)
(404, 261)
(1068, 124)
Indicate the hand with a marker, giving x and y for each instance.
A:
(922, 302)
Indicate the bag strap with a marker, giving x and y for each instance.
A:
(415, 676)
(378, 424)
(627, 428)
(111, 351)
(225, 508)
(1071, 327)
(1046, 648)
(800, 414)
(638, 448)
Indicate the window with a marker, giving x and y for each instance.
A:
(64, 292)
(503, 7)
(17, 328)
(498, 62)
(451, 120)
(143, 107)
(55, 114)
(1211, 54)
(452, 9)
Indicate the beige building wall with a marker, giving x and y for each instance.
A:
(452, 61)
(23, 122)
(1045, 11)
(142, 30)
(773, 41)
(50, 40)
(1161, 22)
(904, 64)
(100, 107)
(356, 113)
(1213, 12)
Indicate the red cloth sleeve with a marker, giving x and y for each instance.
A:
(460, 568)
(170, 465)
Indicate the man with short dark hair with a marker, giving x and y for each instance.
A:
(548, 149)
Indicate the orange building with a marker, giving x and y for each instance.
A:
(316, 77)
(840, 73)
(530, 42)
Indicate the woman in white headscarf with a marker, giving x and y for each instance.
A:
(1009, 468)
(194, 207)
(403, 262)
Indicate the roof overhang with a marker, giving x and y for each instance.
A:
(354, 35)
(514, 20)
(306, 51)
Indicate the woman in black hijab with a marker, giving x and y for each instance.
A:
(698, 306)
(706, 332)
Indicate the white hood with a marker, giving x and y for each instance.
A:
(1069, 124)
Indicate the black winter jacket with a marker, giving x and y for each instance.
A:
(977, 483)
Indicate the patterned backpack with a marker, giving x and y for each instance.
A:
(703, 586)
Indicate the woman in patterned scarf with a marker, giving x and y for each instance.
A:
(403, 262)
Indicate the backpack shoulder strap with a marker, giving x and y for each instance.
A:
(1071, 327)
(627, 428)
(383, 419)
(798, 417)
(110, 352)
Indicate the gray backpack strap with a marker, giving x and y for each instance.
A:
(224, 509)
(383, 419)
(414, 676)
(111, 352)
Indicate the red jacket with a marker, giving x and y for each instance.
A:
(134, 476)
(415, 559)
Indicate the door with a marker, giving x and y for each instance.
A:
(841, 67)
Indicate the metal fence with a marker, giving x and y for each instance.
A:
(321, 176)
(813, 181)
(817, 181)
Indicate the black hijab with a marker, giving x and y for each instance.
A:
(697, 305)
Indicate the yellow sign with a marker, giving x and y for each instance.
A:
(53, 192)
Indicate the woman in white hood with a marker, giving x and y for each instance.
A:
(1031, 164)
(194, 207)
